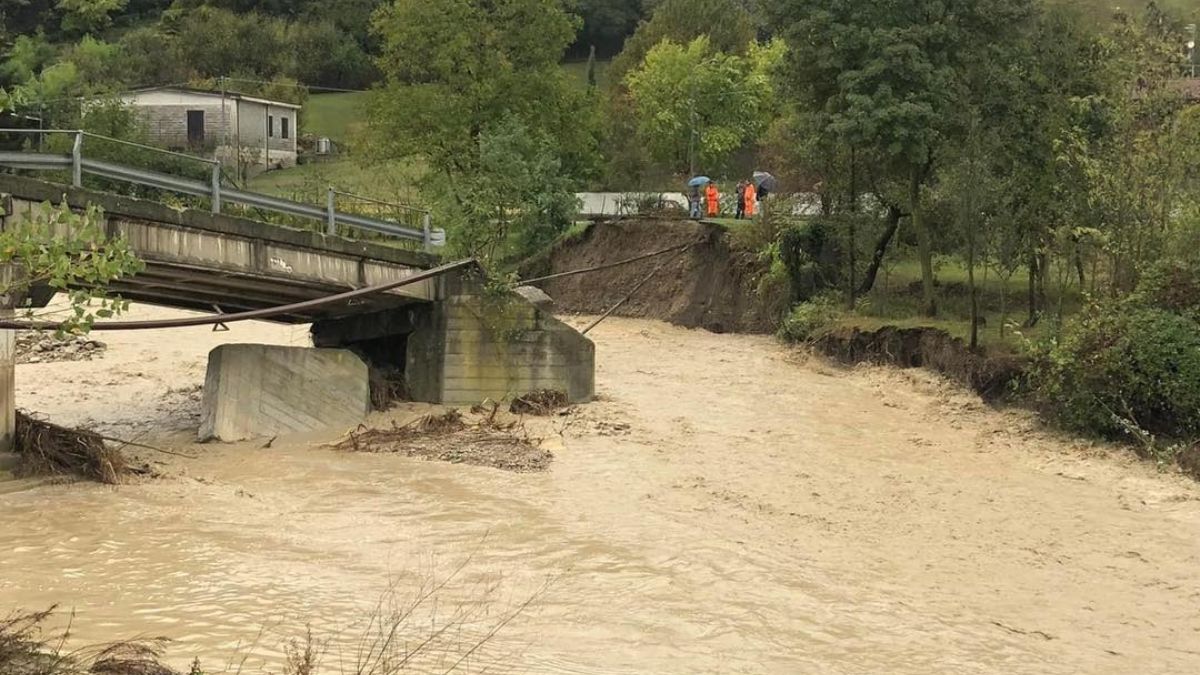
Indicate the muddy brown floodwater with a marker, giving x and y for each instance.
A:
(728, 506)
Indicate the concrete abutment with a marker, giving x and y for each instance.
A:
(471, 345)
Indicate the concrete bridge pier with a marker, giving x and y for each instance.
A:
(470, 345)
(474, 343)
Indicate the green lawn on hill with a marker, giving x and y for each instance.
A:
(335, 116)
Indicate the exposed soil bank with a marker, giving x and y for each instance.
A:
(715, 287)
(708, 286)
(992, 377)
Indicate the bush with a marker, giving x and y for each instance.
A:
(809, 253)
(1120, 370)
(808, 320)
(1173, 285)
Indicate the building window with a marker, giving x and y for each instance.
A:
(270, 126)
(284, 124)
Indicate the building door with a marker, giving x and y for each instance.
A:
(195, 127)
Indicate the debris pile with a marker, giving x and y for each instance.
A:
(449, 437)
(48, 449)
(41, 347)
(539, 403)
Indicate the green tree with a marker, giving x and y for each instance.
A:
(26, 58)
(892, 78)
(517, 201)
(454, 74)
(695, 106)
(152, 57)
(727, 23)
(215, 42)
(87, 16)
(325, 55)
(69, 253)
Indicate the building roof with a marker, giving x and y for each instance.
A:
(206, 92)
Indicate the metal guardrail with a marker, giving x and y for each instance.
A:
(78, 164)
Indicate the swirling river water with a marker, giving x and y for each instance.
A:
(728, 506)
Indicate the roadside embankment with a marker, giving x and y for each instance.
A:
(708, 285)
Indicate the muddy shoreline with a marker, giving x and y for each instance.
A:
(994, 378)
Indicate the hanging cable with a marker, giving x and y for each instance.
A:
(606, 266)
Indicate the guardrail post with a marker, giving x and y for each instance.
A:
(216, 188)
(77, 160)
(330, 212)
(427, 230)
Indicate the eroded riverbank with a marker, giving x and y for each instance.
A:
(728, 506)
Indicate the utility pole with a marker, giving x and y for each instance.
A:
(224, 120)
(1191, 47)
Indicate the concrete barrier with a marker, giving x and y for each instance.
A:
(264, 390)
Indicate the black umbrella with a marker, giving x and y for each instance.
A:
(765, 181)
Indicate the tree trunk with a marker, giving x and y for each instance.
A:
(1078, 255)
(1003, 304)
(850, 287)
(881, 247)
(1033, 306)
(971, 226)
(924, 247)
(1043, 270)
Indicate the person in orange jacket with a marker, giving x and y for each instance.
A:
(714, 200)
(751, 196)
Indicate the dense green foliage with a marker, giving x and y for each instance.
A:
(807, 320)
(1122, 370)
(81, 47)
(70, 253)
(695, 105)
(475, 90)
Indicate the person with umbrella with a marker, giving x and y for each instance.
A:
(694, 197)
(750, 197)
(765, 184)
(714, 200)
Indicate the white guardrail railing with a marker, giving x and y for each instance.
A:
(78, 164)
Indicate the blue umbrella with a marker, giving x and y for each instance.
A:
(699, 181)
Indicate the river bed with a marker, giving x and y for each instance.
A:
(729, 505)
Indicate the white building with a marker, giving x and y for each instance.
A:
(251, 133)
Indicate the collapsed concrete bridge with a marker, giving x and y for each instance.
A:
(450, 340)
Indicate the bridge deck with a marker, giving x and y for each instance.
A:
(199, 261)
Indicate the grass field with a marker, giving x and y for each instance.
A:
(896, 301)
(335, 116)
(578, 72)
(340, 117)
(391, 181)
